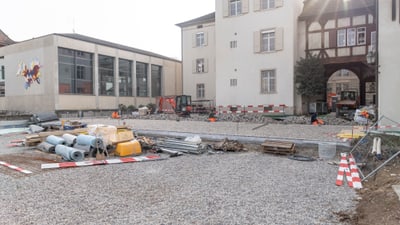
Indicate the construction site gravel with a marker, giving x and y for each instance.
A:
(248, 187)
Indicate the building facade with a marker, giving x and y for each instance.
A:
(387, 61)
(198, 57)
(72, 72)
(254, 38)
(258, 42)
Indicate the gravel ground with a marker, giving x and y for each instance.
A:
(228, 188)
(231, 188)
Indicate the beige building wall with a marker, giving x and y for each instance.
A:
(389, 66)
(191, 52)
(45, 97)
(245, 64)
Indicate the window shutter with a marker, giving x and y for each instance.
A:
(279, 39)
(257, 41)
(205, 38)
(245, 6)
(257, 6)
(205, 65)
(225, 7)
(194, 40)
(278, 3)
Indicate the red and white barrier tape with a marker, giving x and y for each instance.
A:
(252, 109)
(352, 175)
(101, 162)
(15, 168)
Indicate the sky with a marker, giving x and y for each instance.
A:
(144, 24)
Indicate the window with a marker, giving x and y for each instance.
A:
(361, 36)
(200, 90)
(125, 77)
(235, 7)
(156, 80)
(267, 4)
(268, 81)
(200, 39)
(268, 41)
(351, 36)
(141, 79)
(233, 44)
(75, 72)
(341, 38)
(200, 66)
(233, 82)
(106, 75)
(344, 73)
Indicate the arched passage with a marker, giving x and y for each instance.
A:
(364, 73)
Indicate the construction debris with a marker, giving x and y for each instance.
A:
(229, 145)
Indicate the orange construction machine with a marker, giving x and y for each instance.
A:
(179, 104)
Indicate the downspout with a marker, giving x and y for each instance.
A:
(377, 58)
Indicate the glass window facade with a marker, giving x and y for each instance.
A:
(75, 72)
(125, 78)
(141, 79)
(156, 72)
(106, 75)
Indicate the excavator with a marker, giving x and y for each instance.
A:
(178, 104)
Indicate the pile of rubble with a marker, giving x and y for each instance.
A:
(329, 119)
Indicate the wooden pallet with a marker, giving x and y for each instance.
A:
(278, 147)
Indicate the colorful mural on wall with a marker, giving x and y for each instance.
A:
(31, 74)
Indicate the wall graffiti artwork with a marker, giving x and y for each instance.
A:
(31, 74)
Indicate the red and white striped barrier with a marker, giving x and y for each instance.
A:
(15, 168)
(101, 162)
(251, 109)
(343, 170)
(352, 175)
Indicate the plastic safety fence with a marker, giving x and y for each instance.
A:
(70, 139)
(70, 154)
(102, 162)
(47, 147)
(55, 140)
(93, 141)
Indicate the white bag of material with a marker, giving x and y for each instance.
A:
(195, 139)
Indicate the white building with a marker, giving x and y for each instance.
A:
(244, 54)
(198, 57)
(72, 72)
(388, 59)
(256, 51)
